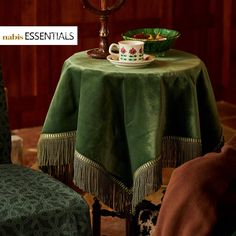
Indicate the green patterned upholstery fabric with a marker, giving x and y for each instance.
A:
(33, 203)
(5, 134)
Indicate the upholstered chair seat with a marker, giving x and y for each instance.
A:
(32, 202)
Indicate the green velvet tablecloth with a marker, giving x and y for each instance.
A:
(119, 127)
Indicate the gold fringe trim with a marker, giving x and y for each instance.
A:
(64, 173)
(177, 150)
(56, 149)
(59, 135)
(58, 157)
(147, 180)
(93, 178)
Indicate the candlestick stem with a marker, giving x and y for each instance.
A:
(104, 13)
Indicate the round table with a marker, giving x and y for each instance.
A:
(118, 127)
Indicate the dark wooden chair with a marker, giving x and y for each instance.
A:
(140, 223)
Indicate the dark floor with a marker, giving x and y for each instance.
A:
(114, 226)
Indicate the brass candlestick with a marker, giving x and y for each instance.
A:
(102, 51)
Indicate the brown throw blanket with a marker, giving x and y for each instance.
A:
(201, 196)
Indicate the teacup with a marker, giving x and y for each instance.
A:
(129, 50)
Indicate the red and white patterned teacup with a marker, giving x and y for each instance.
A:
(129, 50)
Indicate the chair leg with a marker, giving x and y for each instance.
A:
(96, 218)
(98, 212)
(130, 226)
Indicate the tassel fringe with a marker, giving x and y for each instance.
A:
(177, 150)
(58, 157)
(147, 180)
(56, 149)
(90, 176)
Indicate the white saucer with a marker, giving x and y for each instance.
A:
(115, 61)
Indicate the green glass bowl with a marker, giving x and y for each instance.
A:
(154, 46)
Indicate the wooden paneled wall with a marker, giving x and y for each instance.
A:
(229, 52)
(31, 73)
